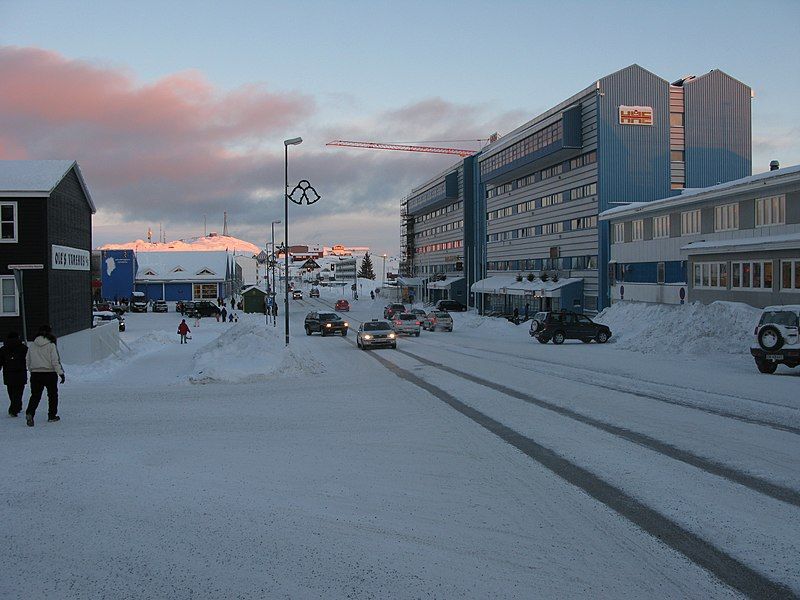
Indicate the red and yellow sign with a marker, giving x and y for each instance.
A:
(635, 115)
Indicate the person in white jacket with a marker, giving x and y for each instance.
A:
(44, 363)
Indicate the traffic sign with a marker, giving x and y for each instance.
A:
(26, 267)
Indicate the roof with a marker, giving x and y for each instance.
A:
(443, 284)
(764, 242)
(792, 307)
(508, 284)
(693, 195)
(37, 178)
(182, 266)
(254, 288)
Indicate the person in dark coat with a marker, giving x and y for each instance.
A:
(15, 370)
(516, 316)
(274, 309)
(224, 314)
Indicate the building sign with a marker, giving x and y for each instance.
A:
(635, 115)
(70, 259)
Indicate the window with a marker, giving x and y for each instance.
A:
(638, 230)
(660, 273)
(690, 222)
(551, 199)
(8, 222)
(770, 211)
(583, 160)
(549, 228)
(755, 275)
(676, 155)
(726, 217)
(661, 227)
(706, 274)
(9, 304)
(536, 141)
(590, 189)
(205, 291)
(583, 223)
(790, 274)
(619, 233)
(675, 119)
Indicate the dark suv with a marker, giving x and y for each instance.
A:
(325, 323)
(204, 308)
(565, 325)
(391, 309)
(450, 306)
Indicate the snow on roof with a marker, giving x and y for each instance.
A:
(37, 177)
(508, 284)
(196, 265)
(254, 287)
(790, 240)
(198, 244)
(690, 195)
(443, 283)
(779, 307)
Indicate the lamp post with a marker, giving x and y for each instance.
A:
(274, 296)
(383, 277)
(286, 144)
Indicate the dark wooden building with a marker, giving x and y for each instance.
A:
(45, 219)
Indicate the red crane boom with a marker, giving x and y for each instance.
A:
(402, 147)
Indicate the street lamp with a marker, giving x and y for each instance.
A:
(383, 277)
(274, 296)
(286, 144)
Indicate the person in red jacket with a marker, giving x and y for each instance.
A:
(183, 330)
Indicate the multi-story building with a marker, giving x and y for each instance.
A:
(629, 136)
(737, 241)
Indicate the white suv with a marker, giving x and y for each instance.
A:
(777, 338)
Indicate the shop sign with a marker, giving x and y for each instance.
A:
(635, 115)
(70, 259)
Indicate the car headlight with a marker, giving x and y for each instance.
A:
(367, 337)
(346, 324)
(392, 336)
(327, 324)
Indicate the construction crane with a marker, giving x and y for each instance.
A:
(403, 147)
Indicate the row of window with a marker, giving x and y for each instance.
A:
(549, 200)
(439, 212)
(532, 143)
(577, 162)
(441, 229)
(439, 247)
(746, 275)
(545, 229)
(564, 263)
(768, 211)
(429, 194)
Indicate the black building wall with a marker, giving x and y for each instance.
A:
(69, 223)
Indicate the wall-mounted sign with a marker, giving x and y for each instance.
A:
(635, 115)
(70, 259)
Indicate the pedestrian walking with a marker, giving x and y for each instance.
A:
(197, 317)
(224, 314)
(15, 370)
(527, 310)
(274, 309)
(233, 303)
(516, 316)
(230, 318)
(44, 363)
(183, 331)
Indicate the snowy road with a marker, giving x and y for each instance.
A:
(467, 464)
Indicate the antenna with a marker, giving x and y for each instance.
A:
(225, 223)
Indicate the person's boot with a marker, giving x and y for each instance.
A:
(29, 420)
(53, 419)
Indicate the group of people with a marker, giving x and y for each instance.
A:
(43, 362)
(222, 315)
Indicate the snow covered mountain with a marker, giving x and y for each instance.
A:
(203, 243)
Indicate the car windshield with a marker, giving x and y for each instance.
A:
(328, 317)
(441, 315)
(380, 326)
(407, 317)
(779, 317)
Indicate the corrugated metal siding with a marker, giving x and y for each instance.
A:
(718, 129)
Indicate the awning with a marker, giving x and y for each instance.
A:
(789, 241)
(411, 281)
(508, 285)
(444, 284)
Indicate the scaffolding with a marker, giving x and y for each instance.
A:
(406, 268)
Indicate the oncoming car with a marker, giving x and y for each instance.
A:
(314, 293)
(326, 323)
(777, 338)
(376, 334)
(297, 294)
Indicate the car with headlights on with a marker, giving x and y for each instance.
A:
(437, 319)
(376, 334)
(325, 323)
(297, 294)
(407, 323)
(777, 338)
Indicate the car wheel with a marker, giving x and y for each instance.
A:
(344, 333)
(308, 330)
(559, 337)
(416, 333)
(602, 337)
(323, 333)
(770, 338)
(766, 366)
(394, 346)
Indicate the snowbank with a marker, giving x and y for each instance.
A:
(148, 343)
(249, 352)
(719, 327)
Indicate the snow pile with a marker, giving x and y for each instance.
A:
(141, 346)
(700, 329)
(249, 352)
(207, 243)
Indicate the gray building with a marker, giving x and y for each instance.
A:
(737, 241)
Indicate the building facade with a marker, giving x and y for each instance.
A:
(629, 136)
(45, 220)
(738, 241)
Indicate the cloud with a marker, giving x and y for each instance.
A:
(172, 150)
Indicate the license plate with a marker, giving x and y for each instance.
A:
(774, 357)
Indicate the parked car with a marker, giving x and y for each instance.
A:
(159, 306)
(342, 304)
(138, 302)
(100, 316)
(566, 325)
(314, 293)
(376, 334)
(390, 309)
(450, 305)
(407, 323)
(437, 319)
(203, 308)
(325, 323)
(777, 338)
(297, 294)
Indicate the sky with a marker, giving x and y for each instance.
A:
(179, 110)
